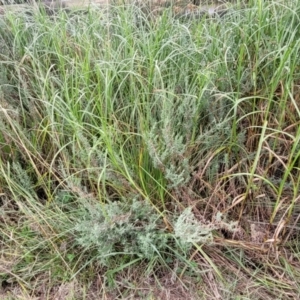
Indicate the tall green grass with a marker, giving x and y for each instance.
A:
(130, 139)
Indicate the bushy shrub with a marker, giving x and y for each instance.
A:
(118, 229)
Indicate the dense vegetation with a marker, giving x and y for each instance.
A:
(150, 156)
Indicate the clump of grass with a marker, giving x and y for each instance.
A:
(198, 118)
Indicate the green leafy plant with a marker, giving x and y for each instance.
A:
(120, 229)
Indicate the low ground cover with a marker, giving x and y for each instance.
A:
(148, 156)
